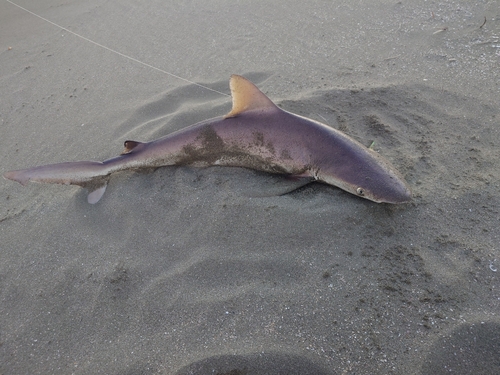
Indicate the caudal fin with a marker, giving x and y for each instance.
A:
(90, 175)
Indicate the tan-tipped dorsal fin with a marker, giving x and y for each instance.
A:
(129, 146)
(246, 96)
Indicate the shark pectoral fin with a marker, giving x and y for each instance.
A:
(129, 146)
(270, 185)
(296, 182)
(96, 195)
(246, 97)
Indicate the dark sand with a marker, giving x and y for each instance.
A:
(177, 271)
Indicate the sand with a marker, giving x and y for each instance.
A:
(179, 272)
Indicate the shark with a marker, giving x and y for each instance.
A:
(255, 134)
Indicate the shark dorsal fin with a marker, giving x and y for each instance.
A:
(246, 97)
(129, 146)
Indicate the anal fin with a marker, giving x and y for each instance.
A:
(96, 188)
(96, 195)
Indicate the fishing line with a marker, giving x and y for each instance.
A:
(114, 51)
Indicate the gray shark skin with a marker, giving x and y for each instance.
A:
(256, 134)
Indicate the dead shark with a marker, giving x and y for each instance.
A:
(256, 134)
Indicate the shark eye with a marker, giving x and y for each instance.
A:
(360, 191)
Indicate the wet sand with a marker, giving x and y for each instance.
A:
(178, 271)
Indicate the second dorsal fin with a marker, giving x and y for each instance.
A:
(246, 96)
(129, 146)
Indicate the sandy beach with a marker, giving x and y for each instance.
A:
(179, 271)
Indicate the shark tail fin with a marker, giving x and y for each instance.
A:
(90, 175)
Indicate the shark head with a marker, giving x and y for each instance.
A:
(368, 176)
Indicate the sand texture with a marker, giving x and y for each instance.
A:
(179, 270)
